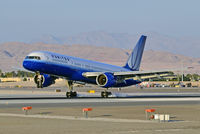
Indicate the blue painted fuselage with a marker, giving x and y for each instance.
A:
(70, 68)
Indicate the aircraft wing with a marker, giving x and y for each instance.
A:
(139, 75)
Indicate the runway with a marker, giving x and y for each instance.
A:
(117, 99)
(53, 110)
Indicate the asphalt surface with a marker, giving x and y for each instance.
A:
(123, 112)
(96, 102)
(85, 99)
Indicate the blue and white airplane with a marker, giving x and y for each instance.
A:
(49, 66)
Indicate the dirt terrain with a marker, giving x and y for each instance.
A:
(184, 119)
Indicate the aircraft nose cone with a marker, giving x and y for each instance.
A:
(26, 64)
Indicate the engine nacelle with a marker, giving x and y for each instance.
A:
(106, 80)
(45, 79)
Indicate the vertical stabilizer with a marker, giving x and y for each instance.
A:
(134, 60)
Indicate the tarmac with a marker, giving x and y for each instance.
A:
(121, 113)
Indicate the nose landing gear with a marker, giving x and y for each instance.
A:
(39, 80)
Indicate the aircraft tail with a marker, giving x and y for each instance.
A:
(134, 60)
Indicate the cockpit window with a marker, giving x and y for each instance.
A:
(33, 57)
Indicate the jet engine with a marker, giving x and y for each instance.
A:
(106, 80)
(44, 80)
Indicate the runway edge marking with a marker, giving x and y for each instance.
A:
(77, 118)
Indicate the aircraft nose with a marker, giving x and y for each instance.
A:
(26, 64)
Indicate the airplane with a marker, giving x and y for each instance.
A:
(49, 66)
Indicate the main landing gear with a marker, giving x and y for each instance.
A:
(105, 94)
(70, 94)
(73, 94)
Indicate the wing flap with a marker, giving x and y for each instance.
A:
(132, 74)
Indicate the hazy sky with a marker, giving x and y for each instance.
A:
(23, 20)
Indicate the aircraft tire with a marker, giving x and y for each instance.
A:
(39, 85)
(71, 94)
(74, 94)
(104, 94)
(68, 95)
(109, 93)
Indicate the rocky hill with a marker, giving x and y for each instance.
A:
(13, 53)
(189, 46)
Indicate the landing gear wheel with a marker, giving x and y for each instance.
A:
(39, 84)
(71, 94)
(105, 94)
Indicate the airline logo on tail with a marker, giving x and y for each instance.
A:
(134, 60)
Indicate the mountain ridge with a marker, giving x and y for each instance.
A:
(13, 53)
(187, 46)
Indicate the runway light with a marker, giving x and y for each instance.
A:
(150, 110)
(85, 111)
(91, 91)
(57, 90)
(26, 109)
(149, 113)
